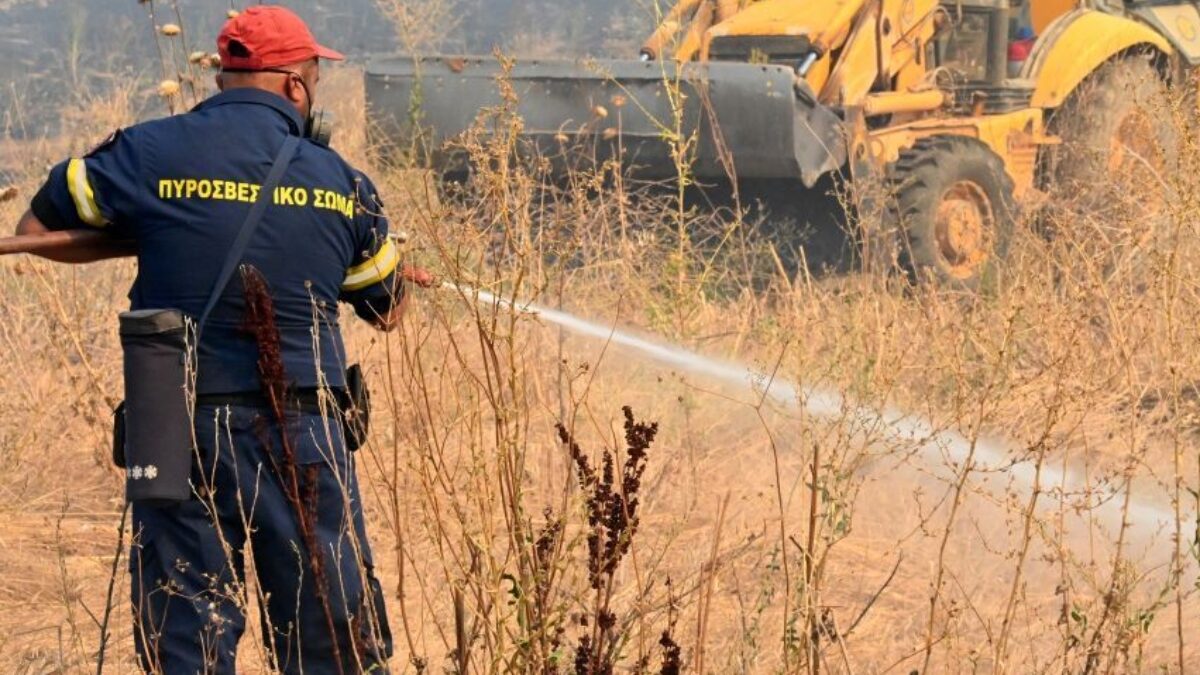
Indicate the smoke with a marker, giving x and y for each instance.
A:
(52, 52)
(556, 28)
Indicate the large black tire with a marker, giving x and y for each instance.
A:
(952, 211)
(1118, 141)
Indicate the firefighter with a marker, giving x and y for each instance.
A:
(179, 188)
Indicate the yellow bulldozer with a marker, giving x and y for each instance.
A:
(963, 109)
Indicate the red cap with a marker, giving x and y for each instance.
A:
(268, 36)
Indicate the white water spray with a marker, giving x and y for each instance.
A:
(940, 449)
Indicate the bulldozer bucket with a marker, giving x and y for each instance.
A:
(735, 120)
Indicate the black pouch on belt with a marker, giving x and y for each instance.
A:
(155, 421)
(356, 408)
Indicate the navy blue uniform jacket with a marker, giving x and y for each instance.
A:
(181, 186)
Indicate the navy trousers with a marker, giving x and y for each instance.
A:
(187, 560)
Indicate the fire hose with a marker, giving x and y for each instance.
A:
(57, 241)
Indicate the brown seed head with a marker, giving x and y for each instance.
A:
(171, 29)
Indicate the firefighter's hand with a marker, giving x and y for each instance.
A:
(419, 276)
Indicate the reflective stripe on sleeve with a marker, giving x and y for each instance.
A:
(374, 270)
(81, 193)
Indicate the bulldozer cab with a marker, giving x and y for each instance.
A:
(976, 53)
(973, 40)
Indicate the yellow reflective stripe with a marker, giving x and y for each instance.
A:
(374, 270)
(81, 193)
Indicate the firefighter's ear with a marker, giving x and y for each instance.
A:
(296, 91)
(220, 82)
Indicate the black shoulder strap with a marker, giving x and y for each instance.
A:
(248, 227)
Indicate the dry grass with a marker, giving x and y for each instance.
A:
(770, 539)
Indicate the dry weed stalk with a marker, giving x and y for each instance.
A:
(299, 482)
(611, 499)
(422, 25)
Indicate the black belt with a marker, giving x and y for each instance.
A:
(307, 401)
